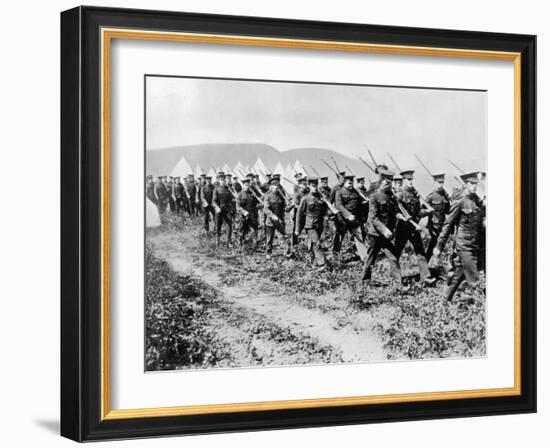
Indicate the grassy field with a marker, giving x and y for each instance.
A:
(221, 307)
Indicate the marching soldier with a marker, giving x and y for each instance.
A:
(466, 215)
(171, 194)
(311, 214)
(440, 201)
(407, 229)
(207, 191)
(223, 202)
(364, 204)
(181, 197)
(161, 198)
(247, 205)
(348, 202)
(274, 212)
(339, 224)
(383, 212)
(150, 189)
(299, 192)
(191, 188)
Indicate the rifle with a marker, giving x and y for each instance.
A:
(334, 161)
(367, 165)
(456, 166)
(371, 156)
(405, 213)
(424, 166)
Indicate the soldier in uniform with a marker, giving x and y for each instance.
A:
(407, 229)
(360, 187)
(383, 212)
(161, 198)
(339, 224)
(171, 194)
(311, 214)
(247, 205)
(207, 191)
(440, 201)
(299, 192)
(348, 202)
(224, 205)
(467, 216)
(181, 197)
(274, 212)
(191, 188)
(150, 189)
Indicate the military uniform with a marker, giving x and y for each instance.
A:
(161, 195)
(192, 191)
(247, 202)
(224, 203)
(310, 216)
(466, 215)
(274, 213)
(150, 191)
(349, 203)
(171, 196)
(207, 191)
(293, 208)
(380, 227)
(181, 198)
(440, 201)
(339, 224)
(405, 231)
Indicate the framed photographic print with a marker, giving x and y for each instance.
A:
(273, 223)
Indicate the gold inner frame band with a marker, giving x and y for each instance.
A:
(107, 35)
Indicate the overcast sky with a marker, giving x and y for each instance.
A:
(436, 124)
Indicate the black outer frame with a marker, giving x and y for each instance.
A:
(81, 223)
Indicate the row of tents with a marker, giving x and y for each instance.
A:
(183, 169)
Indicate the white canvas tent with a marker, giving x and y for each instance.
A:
(198, 171)
(298, 167)
(226, 169)
(279, 169)
(260, 167)
(182, 169)
(212, 173)
(289, 171)
(152, 217)
(239, 169)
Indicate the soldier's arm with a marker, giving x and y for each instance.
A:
(449, 225)
(340, 206)
(301, 217)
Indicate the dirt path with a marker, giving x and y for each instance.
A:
(326, 318)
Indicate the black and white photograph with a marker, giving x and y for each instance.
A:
(293, 223)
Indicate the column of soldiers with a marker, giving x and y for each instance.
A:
(381, 218)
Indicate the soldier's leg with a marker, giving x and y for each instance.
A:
(392, 255)
(374, 246)
(469, 262)
(401, 237)
(269, 234)
(219, 224)
(315, 238)
(206, 219)
(229, 222)
(243, 231)
(418, 247)
(357, 236)
(338, 235)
